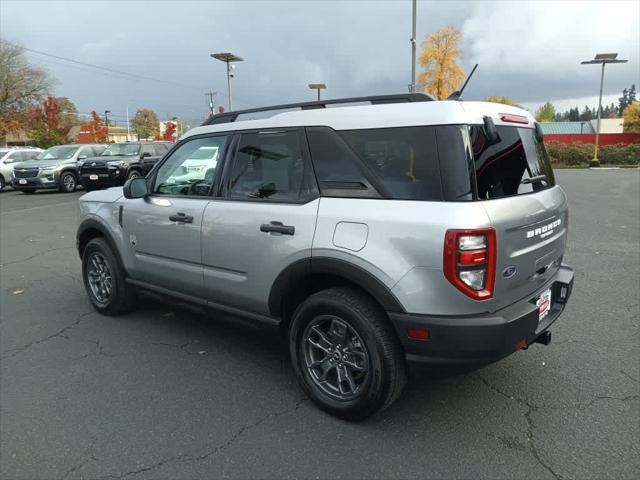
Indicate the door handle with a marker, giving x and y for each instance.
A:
(277, 227)
(181, 218)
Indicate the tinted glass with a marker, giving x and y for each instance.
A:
(30, 155)
(148, 150)
(191, 169)
(405, 160)
(270, 165)
(339, 171)
(456, 162)
(516, 165)
(16, 157)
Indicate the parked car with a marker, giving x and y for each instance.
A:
(121, 161)
(9, 156)
(408, 231)
(55, 168)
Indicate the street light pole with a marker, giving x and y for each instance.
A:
(228, 58)
(600, 58)
(106, 117)
(412, 87)
(318, 87)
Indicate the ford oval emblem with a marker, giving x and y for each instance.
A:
(509, 272)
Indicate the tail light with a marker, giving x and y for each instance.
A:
(470, 261)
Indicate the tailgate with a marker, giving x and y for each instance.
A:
(531, 233)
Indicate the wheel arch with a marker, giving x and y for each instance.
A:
(307, 276)
(91, 228)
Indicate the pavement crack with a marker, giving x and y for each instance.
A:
(99, 351)
(185, 458)
(83, 463)
(35, 255)
(59, 334)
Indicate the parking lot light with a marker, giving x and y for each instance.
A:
(600, 59)
(228, 58)
(318, 87)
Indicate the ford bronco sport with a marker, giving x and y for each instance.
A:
(376, 236)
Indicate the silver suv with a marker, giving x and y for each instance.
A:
(376, 236)
(55, 168)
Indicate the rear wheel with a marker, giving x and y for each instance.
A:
(104, 279)
(345, 353)
(2, 183)
(68, 182)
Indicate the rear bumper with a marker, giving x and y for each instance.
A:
(483, 338)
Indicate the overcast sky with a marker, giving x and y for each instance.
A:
(529, 51)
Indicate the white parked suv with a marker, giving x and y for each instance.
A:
(376, 236)
(9, 156)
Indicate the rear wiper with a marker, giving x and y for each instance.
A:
(537, 178)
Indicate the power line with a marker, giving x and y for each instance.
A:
(111, 70)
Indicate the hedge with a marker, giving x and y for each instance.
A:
(579, 155)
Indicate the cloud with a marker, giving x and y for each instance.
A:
(529, 51)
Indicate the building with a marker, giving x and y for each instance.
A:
(567, 128)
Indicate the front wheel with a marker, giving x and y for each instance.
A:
(68, 182)
(104, 279)
(133, 174)
(2, 183)
(345, 353)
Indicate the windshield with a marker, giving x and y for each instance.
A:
(58, 153)
(3, 153)
(122, 150)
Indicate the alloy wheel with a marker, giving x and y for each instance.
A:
(335, 357)
(99, 277)
(69, 183)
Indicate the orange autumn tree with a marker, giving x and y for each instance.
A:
(97, 130)
(47, 125)
(169, 132)
(440, 52)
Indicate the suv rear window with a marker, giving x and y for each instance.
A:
(517, 164)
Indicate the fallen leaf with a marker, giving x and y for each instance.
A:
(18, 291)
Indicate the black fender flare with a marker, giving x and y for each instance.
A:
(295, 273)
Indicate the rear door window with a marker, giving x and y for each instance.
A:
(517, 164)
(404, 160)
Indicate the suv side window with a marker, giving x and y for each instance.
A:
(160, 149)
(191, 169)
(16, 156)
(147, 151)
(270, 165)
(86, 152)
(404, 160)
(30, 155)
(340, 173)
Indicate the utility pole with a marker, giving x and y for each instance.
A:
(412, 86)
(211, 96)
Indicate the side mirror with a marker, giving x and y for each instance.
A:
(135, 188)
(539, 132)
(490, 131)
(145, 154)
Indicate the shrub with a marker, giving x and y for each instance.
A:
(580, 154)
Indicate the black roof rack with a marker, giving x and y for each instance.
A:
(228, 117)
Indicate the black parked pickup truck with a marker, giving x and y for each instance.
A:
(120, 162)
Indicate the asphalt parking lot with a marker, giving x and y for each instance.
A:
(165, 392)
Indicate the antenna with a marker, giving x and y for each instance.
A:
(457, 95)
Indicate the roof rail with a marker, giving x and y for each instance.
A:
(228, 117)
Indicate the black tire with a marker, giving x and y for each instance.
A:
(2, 183)
(367, 329)
(68, 182)
(121, 296)
(133, 174)
(28, 191)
